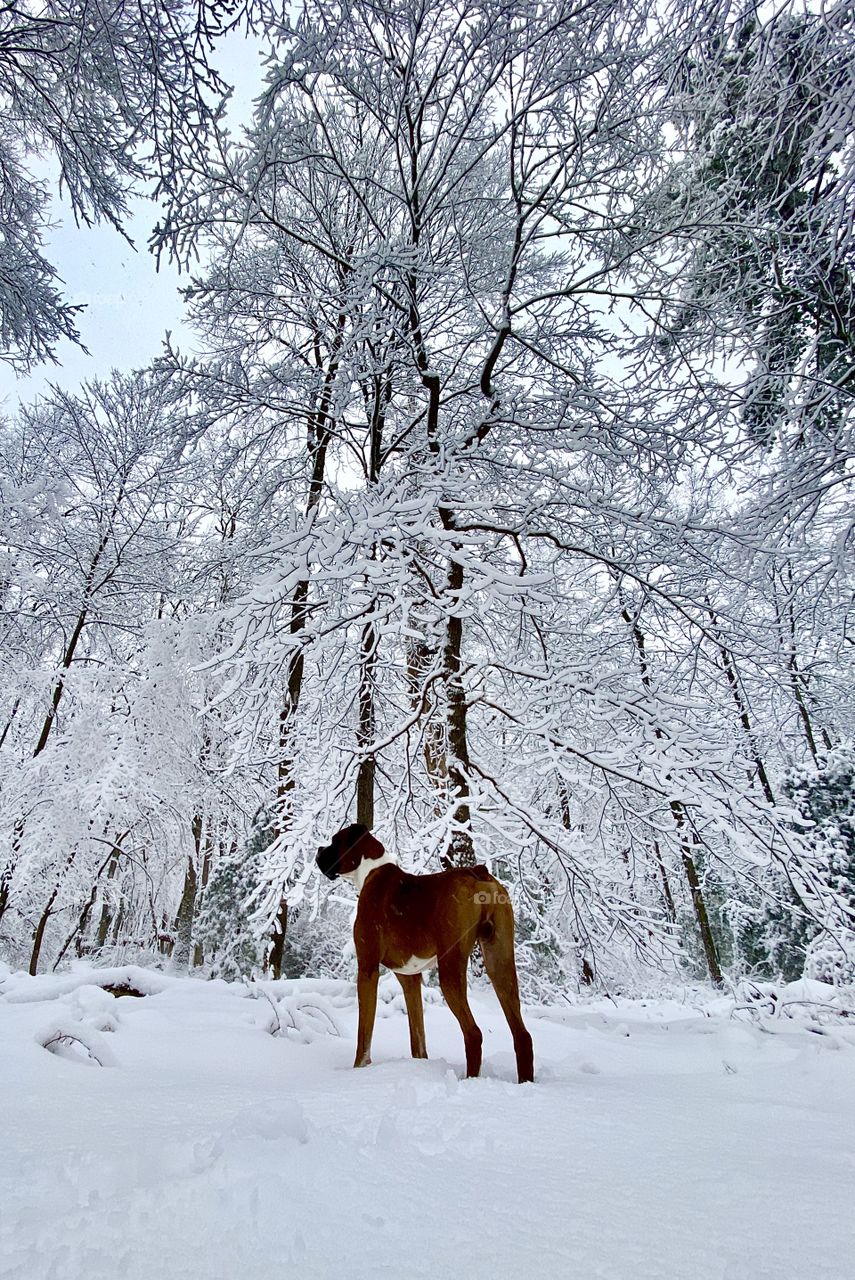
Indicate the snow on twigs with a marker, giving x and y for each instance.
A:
(77, 1043)
(816, 1006)
(306, 1011)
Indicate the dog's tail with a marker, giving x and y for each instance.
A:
(486, 930)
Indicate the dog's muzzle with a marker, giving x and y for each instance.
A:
(327, 862)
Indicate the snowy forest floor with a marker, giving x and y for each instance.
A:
(175, 1137)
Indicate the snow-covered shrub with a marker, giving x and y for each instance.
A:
(832, 959)
(806, 932)
(229, 938)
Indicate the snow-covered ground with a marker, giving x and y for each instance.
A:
(661, 1139)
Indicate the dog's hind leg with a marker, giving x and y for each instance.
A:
(412, 985)
(366, 990)
(452, 980)
(498, 952)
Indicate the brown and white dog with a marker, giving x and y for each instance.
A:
(412, 923)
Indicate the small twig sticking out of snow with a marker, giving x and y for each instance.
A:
(299, 1013)
(324, 1014)
(61, 1037)
(275, 1026)
(775, 1006)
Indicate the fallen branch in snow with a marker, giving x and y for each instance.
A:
(316, 1012)
(307, 1016)
(118, 989)
(815, 1004)
(21, 988)
(65, 1042)
(275, 1027)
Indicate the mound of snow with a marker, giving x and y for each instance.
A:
(22, 988)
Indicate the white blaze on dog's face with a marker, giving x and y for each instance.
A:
(353, 853)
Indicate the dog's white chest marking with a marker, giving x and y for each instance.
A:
(358, 877)
(417, 964)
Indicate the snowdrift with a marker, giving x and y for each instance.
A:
(203, 1130)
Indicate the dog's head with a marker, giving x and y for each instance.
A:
(347, 850)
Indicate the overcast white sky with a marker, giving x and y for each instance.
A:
(129, 304)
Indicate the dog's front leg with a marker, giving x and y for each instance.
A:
(366, 990)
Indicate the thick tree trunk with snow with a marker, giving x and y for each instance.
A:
(366, 727)
(186, 913)
(698, 900)
(105, 918)
(461, 852)
(277, 940)
(198, 950)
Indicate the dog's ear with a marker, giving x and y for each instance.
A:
(346, 850)
(358, 837)
(348, 836)
(353, 844)
(369, 846)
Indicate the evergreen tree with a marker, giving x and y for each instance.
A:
(765, 110)
(786, 940)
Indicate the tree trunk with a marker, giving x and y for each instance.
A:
(118, 923)
(38, 936)
(786, 617)
(670, 909)
(583, 948)
(198, 953)
(56, 698)
(59, 687)
(317, 443)
(187, 906)
(10, 721)
(378, 399)
(39, 933)
(78, 932)
(420, 658)
(105, 918)
(184, 918)
(462, 851)
(6, 878)
(741, 706)
(277, 947)
(47, 726)
(698, 902)
(366, 727)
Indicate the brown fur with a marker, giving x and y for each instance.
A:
(401, 915)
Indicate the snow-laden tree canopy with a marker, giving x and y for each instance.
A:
(504, 506)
